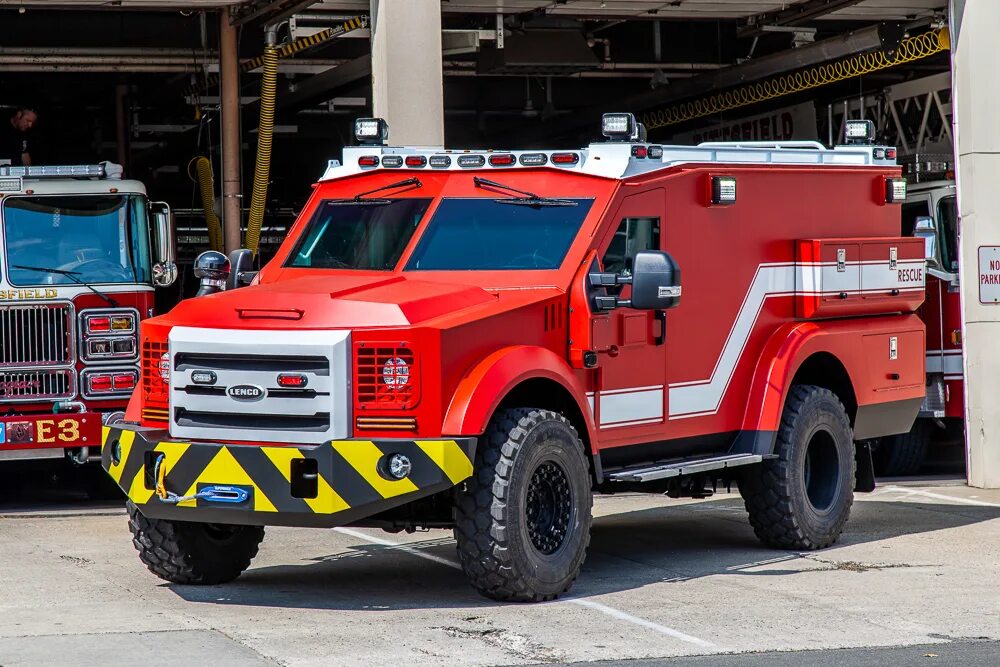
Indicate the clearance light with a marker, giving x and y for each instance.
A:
(368, 161)
(440, 161)
(392, 161)
(534, 159)
(565, 158)
(502, 160)
(292, 381)
(890, 153)
(895, 190)
(371, 131)
(723, 190)
(640, 151)
(469, 161)
(618, 126)
(655, 153)
(416, 161)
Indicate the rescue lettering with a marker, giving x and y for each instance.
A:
(26, 294)
(910, 275)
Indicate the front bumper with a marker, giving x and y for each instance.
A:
(348, 487)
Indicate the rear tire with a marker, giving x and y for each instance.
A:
(902, 455)
(802, 499)
(523, 518)
(183, 552)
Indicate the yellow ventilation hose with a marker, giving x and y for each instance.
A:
(910, 49)
(206, 183)
(262, 171)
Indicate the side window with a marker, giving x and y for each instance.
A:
(912, 211)
(632, 235)
(948, 232)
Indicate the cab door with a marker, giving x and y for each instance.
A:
(630, 394)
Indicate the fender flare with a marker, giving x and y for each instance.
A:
(781, 358)
(481, 390)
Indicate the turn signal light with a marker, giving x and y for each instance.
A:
(565, 158)
(416, 161)
(502, 160)
(368, 161)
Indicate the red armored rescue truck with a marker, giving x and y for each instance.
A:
(478, 340)
(80, 253)
(931, 211)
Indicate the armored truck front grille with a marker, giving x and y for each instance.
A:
(40, 385)
(224, 385)
(36, 335)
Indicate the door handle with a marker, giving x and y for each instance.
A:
(661, 317)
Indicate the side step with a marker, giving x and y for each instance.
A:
(678, 468)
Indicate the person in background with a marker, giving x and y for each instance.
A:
(14, 148)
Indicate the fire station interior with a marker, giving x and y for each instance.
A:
(137, 83)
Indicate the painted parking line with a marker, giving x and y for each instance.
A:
(935, 496)
(580, 602)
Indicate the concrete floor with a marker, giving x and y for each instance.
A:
(917, 566)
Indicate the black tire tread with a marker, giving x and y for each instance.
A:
(481, 535)
(903, 455)
(766, 490)
(167, 550)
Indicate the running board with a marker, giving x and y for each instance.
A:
(678, 468)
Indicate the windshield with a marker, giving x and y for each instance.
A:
(489, 234)
(92, 238)
(358, 234)
(948, 232)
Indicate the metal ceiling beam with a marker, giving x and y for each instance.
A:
(797, 14)
(267, 11)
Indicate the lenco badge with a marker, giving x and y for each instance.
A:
(245, 392)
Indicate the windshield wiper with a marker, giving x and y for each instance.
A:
(526, 198)
(72, 275)
(360, 197)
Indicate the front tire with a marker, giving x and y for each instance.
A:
(802, 499)
(183, 552)
(523, 518)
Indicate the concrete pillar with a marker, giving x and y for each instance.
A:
(976, 97)
(229, 81)
(407, 85)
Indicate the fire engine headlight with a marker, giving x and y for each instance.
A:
(165, 367)
(395, 466)
(395, 373)
(371, 131)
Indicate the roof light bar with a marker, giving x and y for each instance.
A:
(371, 131)
(618, 126)
(55, 171)
(10, 184)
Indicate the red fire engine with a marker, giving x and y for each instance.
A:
(478, 339)
(931, 209)
(77, 276)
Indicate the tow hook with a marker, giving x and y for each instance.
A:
(79, 455)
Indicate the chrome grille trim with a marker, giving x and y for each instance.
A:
(28, 386)
(37, 335)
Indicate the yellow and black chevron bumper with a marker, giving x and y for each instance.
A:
(332, 484)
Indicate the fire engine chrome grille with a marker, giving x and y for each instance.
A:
(36, 335)
(31, 385)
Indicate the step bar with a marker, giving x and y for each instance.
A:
(678, 468)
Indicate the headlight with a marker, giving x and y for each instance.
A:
(165, 367)
(395, 373)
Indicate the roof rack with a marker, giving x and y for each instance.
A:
(773, 145)
(96, 171)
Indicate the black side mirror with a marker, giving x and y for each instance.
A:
(241, 272)
(656, 281)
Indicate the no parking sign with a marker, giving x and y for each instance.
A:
(989, 274)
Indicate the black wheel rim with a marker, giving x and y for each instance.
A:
(549, 507)
(221, 532)
(822, 471)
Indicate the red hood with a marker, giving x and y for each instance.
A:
(324, 302)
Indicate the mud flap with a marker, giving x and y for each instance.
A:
(864, 480)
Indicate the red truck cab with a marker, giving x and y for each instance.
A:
(479, 339)
(81, 252)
